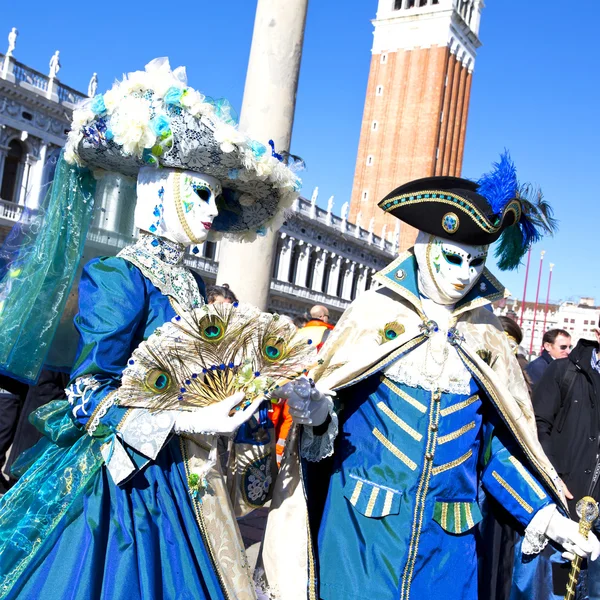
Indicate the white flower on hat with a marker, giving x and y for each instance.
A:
(130, 125)
(228, 137)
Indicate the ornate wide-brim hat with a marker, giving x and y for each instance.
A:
(476, 213)
(153, 118)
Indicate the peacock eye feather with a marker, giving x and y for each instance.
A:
(273, 349)
(158, 381)
(391, 331)
(212, 328)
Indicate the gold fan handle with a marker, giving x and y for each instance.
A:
(587, 509)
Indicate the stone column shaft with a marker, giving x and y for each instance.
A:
(267, 114)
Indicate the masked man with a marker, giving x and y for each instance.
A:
(431, 403)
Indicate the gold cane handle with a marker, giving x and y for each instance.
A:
(587, 511)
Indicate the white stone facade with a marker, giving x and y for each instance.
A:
(409, 24)
(578, 318)
(321, 258)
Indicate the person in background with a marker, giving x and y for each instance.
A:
(515, 337)
(300, 321)
(318, 328)
(565, 401)
(220, 293)
(557, 344)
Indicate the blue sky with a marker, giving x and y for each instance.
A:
(535, 92)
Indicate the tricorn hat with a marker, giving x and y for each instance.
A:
(476, 213)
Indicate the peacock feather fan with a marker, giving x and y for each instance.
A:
(500, 186)
(206, 355)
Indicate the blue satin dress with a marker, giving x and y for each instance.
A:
(401, 508)
(66, 530)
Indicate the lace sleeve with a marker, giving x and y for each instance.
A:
(535, 539)
(315, 447)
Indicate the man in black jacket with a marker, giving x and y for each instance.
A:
(557, 344)
(566, 402)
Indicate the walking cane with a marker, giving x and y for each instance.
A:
(587, 511)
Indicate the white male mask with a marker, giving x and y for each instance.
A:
(447, 270)
(177, 205)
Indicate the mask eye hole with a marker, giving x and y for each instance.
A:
(453, 259)
(202, 192)
(477, 262)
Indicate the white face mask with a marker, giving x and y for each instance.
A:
(177, 205)
(447, 270)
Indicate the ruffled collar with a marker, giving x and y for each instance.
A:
(168, 252)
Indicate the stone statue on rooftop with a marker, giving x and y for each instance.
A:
(93, 85)
(54, 65)
(12, 42)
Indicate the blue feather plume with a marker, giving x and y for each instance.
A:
(499, 187)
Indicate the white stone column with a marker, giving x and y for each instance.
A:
(3, 153)
(362, 280)
(319, 274)
(303, 262)
(285, 257)
(24, 179)
(334, 275)
(267, 113)
(348, 280)
(37, 177)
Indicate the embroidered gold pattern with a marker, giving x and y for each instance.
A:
(456, 434)
(495, 401)
(356, 493)
(524, 473)
(445, 515)
(469, 515)
(459, 406)
(457, 519)
(392, 386)
(512, 492)
(452, 464)
(372, 500)
(398, 421)
(394, 450)
(422, 489)
(387, 505)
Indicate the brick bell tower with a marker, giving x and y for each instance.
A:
(415, 115)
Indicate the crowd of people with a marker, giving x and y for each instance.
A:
(411, 452)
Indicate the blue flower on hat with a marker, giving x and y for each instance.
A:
(160, 125)
(173, 95)
(98, 107)
(257, 148)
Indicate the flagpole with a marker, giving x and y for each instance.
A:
(537, 297)
(525, 288)
(547, 299)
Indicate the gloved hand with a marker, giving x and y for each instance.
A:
(307, 404)
(565, 532)
(215, 418)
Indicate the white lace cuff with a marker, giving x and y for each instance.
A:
(535, 539)
(317, 447)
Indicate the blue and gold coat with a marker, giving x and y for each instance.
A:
(400, 507)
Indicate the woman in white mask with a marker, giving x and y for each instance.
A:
(127, 503)
(431, 403)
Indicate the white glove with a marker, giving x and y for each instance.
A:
(215, 418)
(307, 404)
(565, 532)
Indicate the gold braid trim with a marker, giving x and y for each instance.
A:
(372, 500)
(454, 463)
(398, 421)
(524, 473)
(456, 434)
(389, 384)
(512, 492)
(394, 450)
(356, 493)
(459, 406)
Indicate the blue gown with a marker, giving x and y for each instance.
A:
(66, 530)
